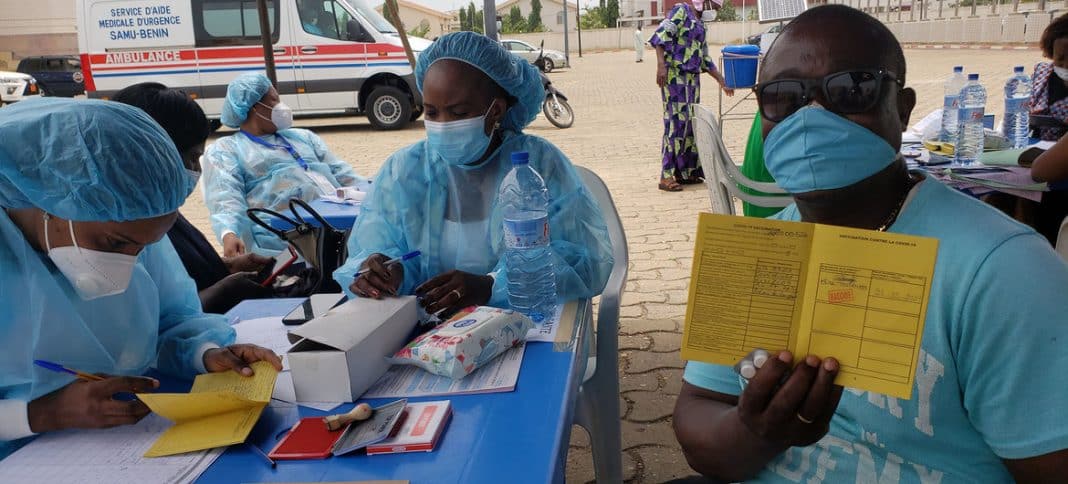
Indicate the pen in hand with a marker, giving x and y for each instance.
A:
(395, 260)
(56, 367)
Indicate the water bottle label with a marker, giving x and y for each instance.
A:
(524, 234)
(971, 114)
(1015, 105)
(951, 102)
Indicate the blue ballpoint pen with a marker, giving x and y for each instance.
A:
(395, 260)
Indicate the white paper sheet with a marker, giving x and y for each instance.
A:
(104, 456)
(284, 392)
(546, 332)
(269, 333)
(402, 381)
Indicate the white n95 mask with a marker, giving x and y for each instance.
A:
(92, 273)
(1061, 72)
(281, 115)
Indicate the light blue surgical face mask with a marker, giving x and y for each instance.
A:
(458, 142)
(815, 149)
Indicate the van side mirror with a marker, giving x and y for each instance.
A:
(355, 32)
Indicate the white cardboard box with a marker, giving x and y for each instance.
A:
(339, 356)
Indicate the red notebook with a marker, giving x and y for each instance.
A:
(308, 439)
(419, 432)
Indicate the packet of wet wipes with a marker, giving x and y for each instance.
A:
(466, 342)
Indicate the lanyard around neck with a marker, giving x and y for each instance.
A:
(284, 146)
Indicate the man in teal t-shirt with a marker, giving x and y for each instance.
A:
(991, 384)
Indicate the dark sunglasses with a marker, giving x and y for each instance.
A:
(846, 92)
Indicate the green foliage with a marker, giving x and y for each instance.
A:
(610, 13)
(471, 20)
(420, 30)
(534, 19)
(727, 13)
(592, 18)
(514, 23)
(465, 24)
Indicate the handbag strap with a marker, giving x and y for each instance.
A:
(311, 211)
(253, 213)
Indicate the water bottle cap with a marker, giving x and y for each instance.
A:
(973, 77)
(1018, 69)
(520, 158)
(958, 68)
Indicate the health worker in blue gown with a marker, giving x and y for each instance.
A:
(88, 190)
(439, 196)
(264, 165)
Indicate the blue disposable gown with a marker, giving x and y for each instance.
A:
(240, 174)
(451, 215)
(157, 322)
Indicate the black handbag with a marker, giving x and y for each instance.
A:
(322, 247)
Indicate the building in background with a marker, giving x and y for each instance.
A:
(417, 17)
(552, 12)
(42, 27)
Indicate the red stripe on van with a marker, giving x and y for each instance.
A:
(87, 72)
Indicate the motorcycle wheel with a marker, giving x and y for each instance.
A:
(558, 112)
(547, 65)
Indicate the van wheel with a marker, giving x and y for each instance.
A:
(388, 108)
(416, 113)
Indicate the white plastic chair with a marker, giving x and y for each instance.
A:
(1062, 240)
(597, 410)
(721, 174)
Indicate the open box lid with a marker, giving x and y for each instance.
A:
(347, 325)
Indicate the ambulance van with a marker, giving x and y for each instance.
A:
(331, 56)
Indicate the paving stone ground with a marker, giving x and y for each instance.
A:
(617, 134)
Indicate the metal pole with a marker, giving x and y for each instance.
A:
(567, 44)
(975, 5)
(940, 2)
(489, 18)
(900, 8)
(578, 28)
(265, 37)
(912, 10)
(1015, 6)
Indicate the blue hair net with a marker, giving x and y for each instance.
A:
(243, 93)
(516, 76)
(88, 160)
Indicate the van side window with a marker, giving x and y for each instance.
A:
(231, 22)
(324, 18)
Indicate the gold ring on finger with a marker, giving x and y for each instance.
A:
(457, 293)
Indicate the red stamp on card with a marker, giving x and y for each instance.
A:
(840, 295)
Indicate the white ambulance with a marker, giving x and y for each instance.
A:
(331, 56)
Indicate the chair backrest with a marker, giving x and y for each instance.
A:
(727, 177)
(1062, 240)
(608, 313)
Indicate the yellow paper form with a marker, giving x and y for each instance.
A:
(219, 410)
(859, 296)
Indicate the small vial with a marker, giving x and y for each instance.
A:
(747, 370)
(759, 358)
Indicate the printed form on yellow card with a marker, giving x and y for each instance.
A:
(219, 410)
(859, 296)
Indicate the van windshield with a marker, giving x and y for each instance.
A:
(363, 9)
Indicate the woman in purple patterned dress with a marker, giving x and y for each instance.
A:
(682, 56)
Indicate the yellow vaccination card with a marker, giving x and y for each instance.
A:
(859, 296)
(219, 410)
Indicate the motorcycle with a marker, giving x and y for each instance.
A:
(555, 106)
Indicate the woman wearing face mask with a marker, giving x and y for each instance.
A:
(264, 165)
(89, 281)
(439, 196)
(1049, 96)
(221, 282)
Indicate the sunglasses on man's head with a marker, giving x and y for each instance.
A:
(846, 92)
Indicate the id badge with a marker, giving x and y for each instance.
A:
(322, 183)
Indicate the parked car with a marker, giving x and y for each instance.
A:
(16, 86)
(755, 39)
(553, 58)
(57, 75)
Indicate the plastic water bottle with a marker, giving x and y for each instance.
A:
(950, 104)
(1017, 108)
(525, 204)
(970, 137)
